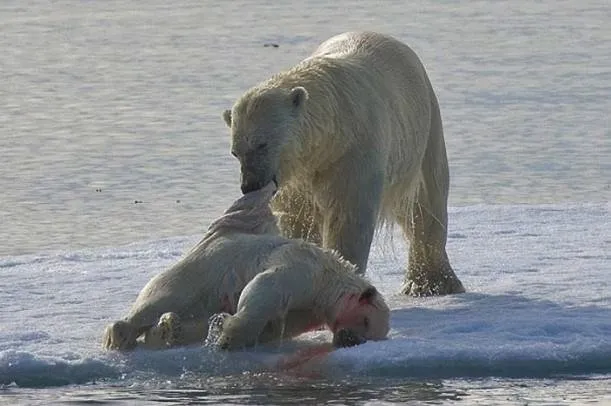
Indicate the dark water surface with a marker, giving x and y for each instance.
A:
(105, 104)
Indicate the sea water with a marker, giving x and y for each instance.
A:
(114, 160)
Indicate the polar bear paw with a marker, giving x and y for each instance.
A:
(166, 333)
(424, 282)
(215, 329)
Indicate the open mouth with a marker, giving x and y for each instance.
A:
(253, 186)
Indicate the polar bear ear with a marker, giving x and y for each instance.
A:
(298, 96)
(368, 295)
(227, 117)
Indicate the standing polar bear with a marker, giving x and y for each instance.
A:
(279, 288)
(353, 136)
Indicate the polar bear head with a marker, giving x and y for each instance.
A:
(264, 123)
(361, 318)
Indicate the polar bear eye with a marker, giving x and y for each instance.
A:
(234, 154)
(261, 146)
(366, 323)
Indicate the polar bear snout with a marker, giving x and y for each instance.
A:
(251, 186)
(258, 166)
(252, 183)
(252, 180)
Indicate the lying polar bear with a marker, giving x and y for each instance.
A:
(281, 287)
(304, 288)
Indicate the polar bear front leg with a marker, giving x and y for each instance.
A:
(242, 330)
(261, 302)
(235, 333)
(350, 222)
(425, 224)
(293, 324)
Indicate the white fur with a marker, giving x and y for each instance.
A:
(241, 245)
(210, 278)
(303, 288)
(353, 136)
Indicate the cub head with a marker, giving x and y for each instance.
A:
(362, 317)
(262, 124)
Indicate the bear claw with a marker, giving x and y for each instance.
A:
(445, 284)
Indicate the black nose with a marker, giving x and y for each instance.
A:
(347, 338)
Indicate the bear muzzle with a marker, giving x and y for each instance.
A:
(251, 184)
(248, 187)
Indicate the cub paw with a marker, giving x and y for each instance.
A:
(166, 333)
(120, 335)
(215, 330)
